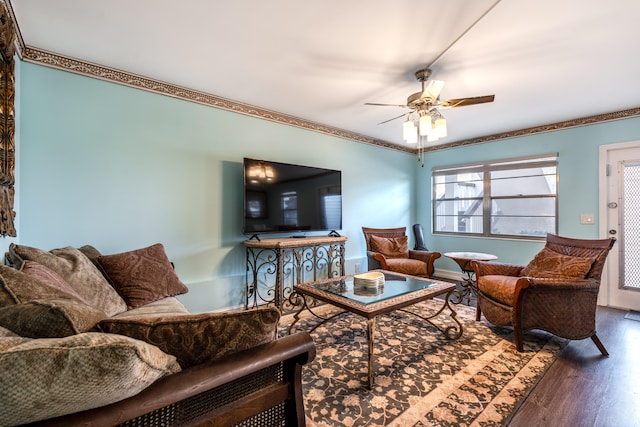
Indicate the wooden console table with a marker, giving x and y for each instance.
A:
(290, 261)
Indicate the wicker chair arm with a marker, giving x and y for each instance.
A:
(485, 268)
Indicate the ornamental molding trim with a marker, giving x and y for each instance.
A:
(584, 121)
(50, 59)
(53, 60)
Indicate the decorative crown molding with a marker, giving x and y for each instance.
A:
(50, 59)
(590, 120)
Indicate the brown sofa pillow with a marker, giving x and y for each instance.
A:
(50, 318)
(79, 272)
(198, 338)
(550, 264)
(143, 275)
(395, 247)
(17, 287)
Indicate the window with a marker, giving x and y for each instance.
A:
(289, 208)
(331, 198)
(505, 198)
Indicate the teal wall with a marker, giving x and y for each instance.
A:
(577, 150)
(121, 168)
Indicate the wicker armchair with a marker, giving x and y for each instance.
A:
(566, 307)
(387, 249)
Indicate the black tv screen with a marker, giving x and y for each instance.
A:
(284, 198)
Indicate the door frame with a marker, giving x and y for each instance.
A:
(604, 296)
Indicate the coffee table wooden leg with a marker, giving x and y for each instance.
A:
(371, 326)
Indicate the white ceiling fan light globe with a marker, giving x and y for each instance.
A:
(426, 126)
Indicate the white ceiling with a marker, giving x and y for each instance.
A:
(546, 61)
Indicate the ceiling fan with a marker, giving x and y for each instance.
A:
(425, 106)
(424, 120)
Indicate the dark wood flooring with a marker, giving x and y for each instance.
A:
(583, 388)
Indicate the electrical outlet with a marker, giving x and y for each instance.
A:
(357, 267)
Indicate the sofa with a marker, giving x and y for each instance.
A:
(101, 340)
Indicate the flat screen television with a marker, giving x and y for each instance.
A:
(288, 198)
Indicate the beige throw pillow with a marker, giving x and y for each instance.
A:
(48, 276)
(17, 287)
(79, 272)
(50, 318)
(50, 377)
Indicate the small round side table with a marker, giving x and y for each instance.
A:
(465, 261)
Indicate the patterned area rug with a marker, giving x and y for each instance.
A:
(420, 377)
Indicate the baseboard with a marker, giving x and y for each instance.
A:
(447, 274)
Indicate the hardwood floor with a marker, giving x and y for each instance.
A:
(583, 388)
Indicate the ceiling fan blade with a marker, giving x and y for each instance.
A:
(433, 89)
(385, 105)
(463, 102)
(395, 118)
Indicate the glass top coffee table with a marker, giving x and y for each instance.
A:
(398, 292)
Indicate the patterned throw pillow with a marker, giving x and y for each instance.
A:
(395, 247)
(549, 264)
(79, 272)
(143, 275)
(198, 338)
(51, 377)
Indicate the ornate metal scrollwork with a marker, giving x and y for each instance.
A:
(284, 267)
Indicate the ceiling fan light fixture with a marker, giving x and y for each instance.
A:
(424, 123)
(413, 137)
(409, 132)
(440, 127)
(426, 126)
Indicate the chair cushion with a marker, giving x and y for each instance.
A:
(412, 267)
(79, 272)
(198, 338)
(50, 377)
(50, 318)
(551, 264)
(394, 247)
(142, 275)
(500, 288)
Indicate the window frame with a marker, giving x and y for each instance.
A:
(485, 168)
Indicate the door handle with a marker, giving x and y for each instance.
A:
(612, 232)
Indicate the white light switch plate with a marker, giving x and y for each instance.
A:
(586, 219)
